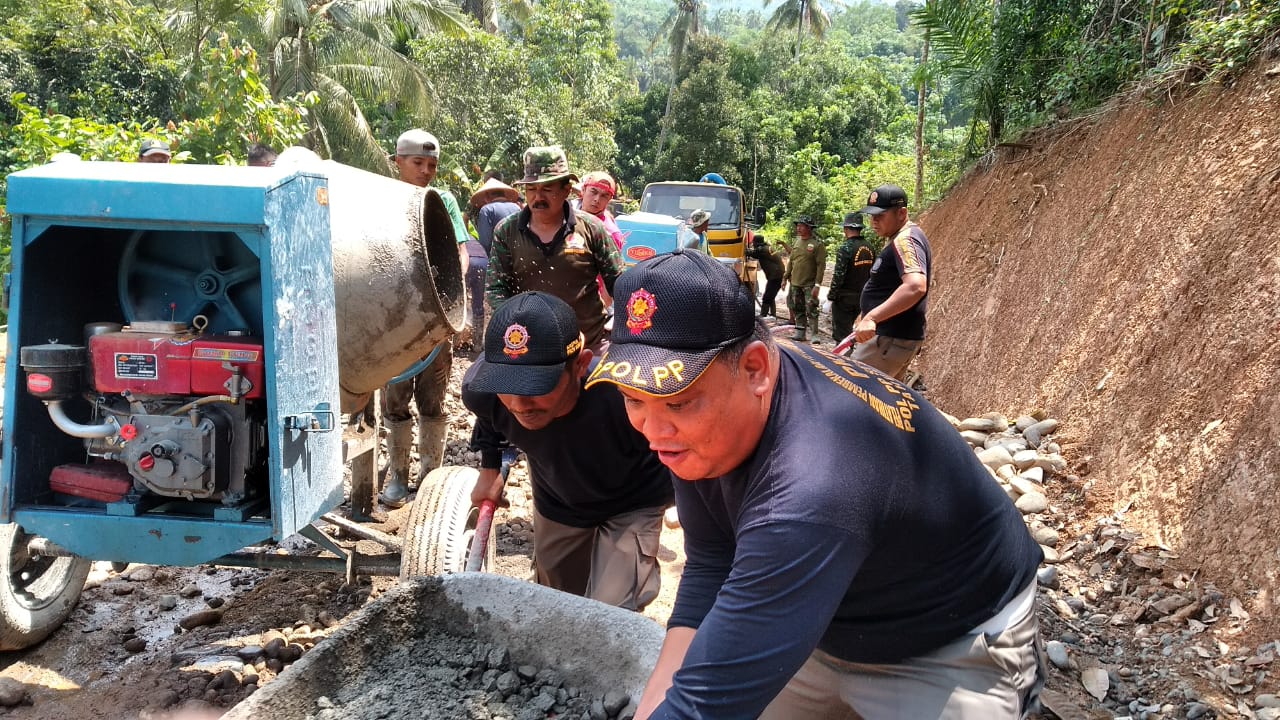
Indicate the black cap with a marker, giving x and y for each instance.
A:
(673, 314)
(885, 197)
(853, 220)
(528, 342)
(804, 220)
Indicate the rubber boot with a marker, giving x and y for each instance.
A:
(395, 491)
(431, 437)
(814, 337)
(799, 335)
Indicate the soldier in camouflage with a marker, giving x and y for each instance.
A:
(852, 268)
(805, 270)
(551, 247)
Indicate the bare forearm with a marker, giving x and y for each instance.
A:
(907, 294)
(670, 658)
(902, 300)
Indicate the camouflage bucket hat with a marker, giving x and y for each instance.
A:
(545, 164)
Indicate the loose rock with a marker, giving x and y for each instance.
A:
(1048, 577)
(1032, 503)
(1035, 433)
(982, 424)
(1058, 655)
(614, 701)
(204, 617)
(1025, 486)
(995, 457)
(12, 692)
(1035, 474)
(249, 653)
(141, 573)
(1046, 536)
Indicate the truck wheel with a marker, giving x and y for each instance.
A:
(442, 524)
(38, 593)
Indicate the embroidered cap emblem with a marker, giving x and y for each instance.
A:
(515, 340)
(640, 309)
(874, 196)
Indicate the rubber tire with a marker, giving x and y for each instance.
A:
(441, 524)
(26, 620)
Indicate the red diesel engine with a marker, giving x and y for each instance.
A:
(181, 412)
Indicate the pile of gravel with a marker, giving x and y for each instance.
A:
(469, 646)
(446, 676)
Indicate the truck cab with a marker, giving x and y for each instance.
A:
(660, 225)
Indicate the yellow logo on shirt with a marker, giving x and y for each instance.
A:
(898, 409)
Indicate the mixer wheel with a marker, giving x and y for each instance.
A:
(38, 593)
(441, 525)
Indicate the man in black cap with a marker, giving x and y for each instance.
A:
(806, 266)
(890, 330)
(900, 586)
(852, 267)
(598, 491)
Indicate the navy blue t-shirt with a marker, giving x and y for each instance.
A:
(862, 525)
(489, 217)
(906, 252)
(586, 467)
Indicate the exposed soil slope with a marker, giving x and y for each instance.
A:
(1123, 273)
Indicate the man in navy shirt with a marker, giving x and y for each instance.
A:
(848, 556)
(598, 491)
(890, 330)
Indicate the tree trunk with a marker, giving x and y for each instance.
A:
(662, 125)
(799, 30)
(755, 173)
(920, 115)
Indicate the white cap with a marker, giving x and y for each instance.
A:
(418, 142)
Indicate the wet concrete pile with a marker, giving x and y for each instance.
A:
(469, 646)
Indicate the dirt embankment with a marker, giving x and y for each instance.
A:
(1123, 273)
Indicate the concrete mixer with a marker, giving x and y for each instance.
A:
(182, 340)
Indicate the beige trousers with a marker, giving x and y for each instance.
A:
(977, 677)
(890, 356)
(615, 562)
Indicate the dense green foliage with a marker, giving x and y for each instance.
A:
(806, 104)
(1021, 62)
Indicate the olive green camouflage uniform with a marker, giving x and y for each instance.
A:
(805, 269)
(852, 264)
(566, 267)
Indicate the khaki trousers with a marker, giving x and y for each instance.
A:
(890, 356)
(977, 677)
(615, 562)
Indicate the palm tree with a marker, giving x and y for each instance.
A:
(961, 37)
(344, 51)
(803, 15)
(190, 27)
(486, 11)
(681, 25)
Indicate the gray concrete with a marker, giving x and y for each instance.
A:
(594, 647)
